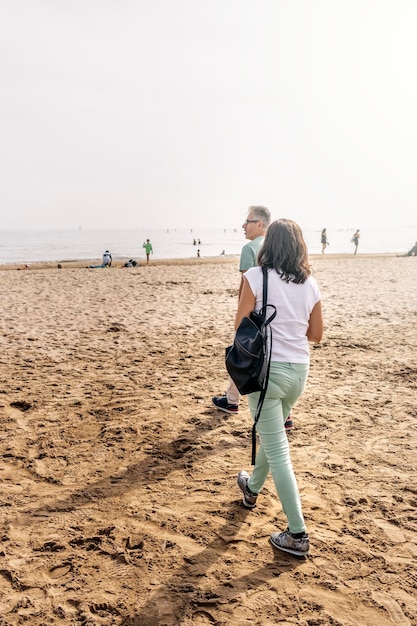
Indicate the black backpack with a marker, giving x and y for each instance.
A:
(249, 358)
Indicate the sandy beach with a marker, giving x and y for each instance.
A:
(119, 504)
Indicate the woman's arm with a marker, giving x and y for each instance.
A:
(315, 324)
(246, 304)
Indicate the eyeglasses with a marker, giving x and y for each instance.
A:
(251, 221)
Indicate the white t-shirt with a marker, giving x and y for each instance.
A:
(294, 303)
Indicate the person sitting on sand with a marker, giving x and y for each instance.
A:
(413, 251)
(107, 259)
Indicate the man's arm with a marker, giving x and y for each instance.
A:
(246, 303)
(241, 284)
(247, 260)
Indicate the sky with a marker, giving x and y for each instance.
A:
(169, 114)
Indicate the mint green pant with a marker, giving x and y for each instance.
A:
(286, 384)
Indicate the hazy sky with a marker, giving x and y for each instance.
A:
(177, 113)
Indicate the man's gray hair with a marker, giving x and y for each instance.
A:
(262, 214)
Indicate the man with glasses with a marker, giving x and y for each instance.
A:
(255, 227)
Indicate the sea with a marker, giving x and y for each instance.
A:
(31, 246)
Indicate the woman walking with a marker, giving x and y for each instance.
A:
(299, 319)
(324, 240)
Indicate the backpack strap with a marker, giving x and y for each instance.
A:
(269, 348)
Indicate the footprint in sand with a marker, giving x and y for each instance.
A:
(392, 532)
(202, 618)
(59, 571)
(394, 610)
(106, 614)
(164, 607)
(15, 412)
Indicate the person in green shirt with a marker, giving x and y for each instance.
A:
(148, 249)
(255, 227)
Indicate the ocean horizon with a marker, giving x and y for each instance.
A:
(31, 246)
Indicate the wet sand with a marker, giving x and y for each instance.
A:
(118, 497)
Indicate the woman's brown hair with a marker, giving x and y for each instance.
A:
(285, 250)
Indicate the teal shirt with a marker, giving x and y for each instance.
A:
(249, 254)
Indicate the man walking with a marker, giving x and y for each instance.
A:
(355, 240)
(255, 227)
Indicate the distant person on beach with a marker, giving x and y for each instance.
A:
(324, 240)
(106, 262)
(92, 267)
(413, 250)
(148, 250)
(255, 227)
(198, 253)
(299, 320)
(107, 259)
(355, 240)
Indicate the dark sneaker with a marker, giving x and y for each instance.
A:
(289, 423)
(220, 402)
(288, 543)
(249, 498)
